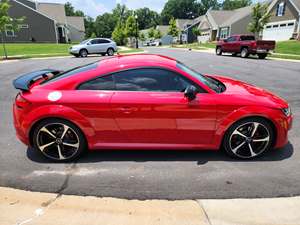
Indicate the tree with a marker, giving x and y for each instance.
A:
(196, 31)
(147, 18)
(173, 31)
(93, 35)
(118, 34)
(130, 27)
(6, 20)
(157, 34)
(121, 13)
(260, 17)
(207, 4)
(151, 32)
(142, 37)
(235, 4)
(104, 25)
(70, 11)
(89, 25)
(180, 9)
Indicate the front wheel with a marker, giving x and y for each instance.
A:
(219, 51)
(83, 53)
(249, 138)
(58, 140)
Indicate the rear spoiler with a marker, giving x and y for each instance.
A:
(23, 82)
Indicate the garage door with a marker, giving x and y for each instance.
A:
(280, 31)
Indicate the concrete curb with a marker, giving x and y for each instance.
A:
(23, 207)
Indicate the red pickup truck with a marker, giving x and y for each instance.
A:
(245, 45)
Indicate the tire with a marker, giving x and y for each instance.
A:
(244, 53)
(240, 141)
(83, 53)
(262, 56)
(110, 52)
(68, 141)
(219, 51)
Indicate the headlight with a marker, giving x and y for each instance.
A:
(287, 111)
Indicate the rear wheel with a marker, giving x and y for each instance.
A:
(249, 138)
(262, 56)
(83, 53)
(244, 53)
(58, 140)
(219, 50)
(110, 52)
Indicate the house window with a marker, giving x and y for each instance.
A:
(283, 25)
(23, 26)
(9, 31)
(280, 9)
(268, 27)
(291, 24)
(224, 32)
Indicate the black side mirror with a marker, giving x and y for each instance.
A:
(190, 92)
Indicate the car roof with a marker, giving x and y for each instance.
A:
(137, 60)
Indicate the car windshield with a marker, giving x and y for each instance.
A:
(215, 85)
(84, 42)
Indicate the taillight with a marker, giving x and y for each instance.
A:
(254, 44)
(21, 102)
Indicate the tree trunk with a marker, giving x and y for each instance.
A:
(3, 44)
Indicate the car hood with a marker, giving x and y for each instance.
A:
(250, 93)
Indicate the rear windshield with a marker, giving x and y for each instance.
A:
(247, 38)
(71, 72)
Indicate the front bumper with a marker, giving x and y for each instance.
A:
(73, 51)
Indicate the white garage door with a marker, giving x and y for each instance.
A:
(280, 31)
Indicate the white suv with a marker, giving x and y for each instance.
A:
(101, 46)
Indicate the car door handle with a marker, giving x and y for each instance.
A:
(127, 110)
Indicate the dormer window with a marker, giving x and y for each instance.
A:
(280, 9)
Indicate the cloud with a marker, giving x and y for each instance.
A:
(91, 8)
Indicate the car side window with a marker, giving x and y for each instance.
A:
(94, 42)
(103, 41)
(105, 83)
(231, 39)
(150, 79)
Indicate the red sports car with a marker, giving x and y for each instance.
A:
(145, 102)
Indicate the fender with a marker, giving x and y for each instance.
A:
(245, 112)
(62, 112)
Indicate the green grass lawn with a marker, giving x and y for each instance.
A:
(288, 47)
(198, 46)
(43, 50)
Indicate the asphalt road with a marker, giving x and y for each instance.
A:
(160, 174)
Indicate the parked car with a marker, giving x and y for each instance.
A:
(245, 45)
(145, 102)
(101, 46)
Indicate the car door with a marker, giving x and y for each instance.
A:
(229, 45)
(92, 100)
(103, 45)
(150, 108)
(92, 46)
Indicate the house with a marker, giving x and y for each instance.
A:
(44, 22)
(165, 38)
(220, 24)
(284, 22)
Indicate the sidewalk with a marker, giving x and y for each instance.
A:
(22, 207)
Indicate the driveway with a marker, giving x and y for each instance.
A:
(160, 174)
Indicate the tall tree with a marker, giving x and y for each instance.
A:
(118, 34)
(235, 4)
(207, 4)
(151, 32)
(89, 25)
(260, 17)
(180, 9)
(147, 18)
(130, 27)
(157, 34)
(104, 25)
(173, 31)
(70, 10)
(6, 20)
(121, 13)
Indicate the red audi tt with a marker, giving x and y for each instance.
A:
(145, 102)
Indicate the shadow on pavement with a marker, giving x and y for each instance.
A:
(200, 157)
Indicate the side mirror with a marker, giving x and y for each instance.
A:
(190, 92)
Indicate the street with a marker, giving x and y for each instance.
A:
(159, 174)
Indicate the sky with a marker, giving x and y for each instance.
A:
(94, 8)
